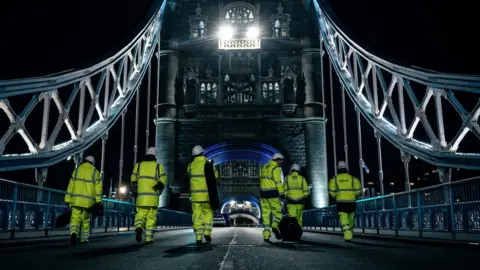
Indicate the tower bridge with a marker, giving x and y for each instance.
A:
(244, 79)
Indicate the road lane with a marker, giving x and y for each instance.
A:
(233, 248)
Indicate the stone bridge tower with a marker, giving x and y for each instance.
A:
(242, 79)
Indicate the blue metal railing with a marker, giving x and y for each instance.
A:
(33, 211)
(446, 211)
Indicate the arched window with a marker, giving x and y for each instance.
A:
(208, 93)
(278, 27)
(202, 93)
(240, 16)
(276, 91)
(201, 29)
(271, 92)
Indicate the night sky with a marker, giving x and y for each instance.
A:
(50, 36)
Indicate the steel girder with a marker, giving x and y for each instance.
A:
(97, 96)
(361, 74)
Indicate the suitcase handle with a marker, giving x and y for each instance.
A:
(284, 208)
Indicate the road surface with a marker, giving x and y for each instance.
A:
(233, 248)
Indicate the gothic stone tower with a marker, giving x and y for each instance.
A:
(237, 75)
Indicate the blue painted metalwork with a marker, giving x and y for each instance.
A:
(450, 210)
(356, 67)
(240, 150)
(32, 210)
(126, 68)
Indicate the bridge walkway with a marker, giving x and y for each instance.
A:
(235, 248)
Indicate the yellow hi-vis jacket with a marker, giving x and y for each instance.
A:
(296, 188)
(344, 188)
(145, 176)
(271, 185)
(85, 187)
(198, 182)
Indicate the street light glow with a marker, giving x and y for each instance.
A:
(253, 32)
(226, 32)
(123, 190)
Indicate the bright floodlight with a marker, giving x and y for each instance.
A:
(253, 32)
(123, 190)
(226, 32)
(232, 202)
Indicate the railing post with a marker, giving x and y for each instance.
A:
(420, 215)
(452, 212)
(118, 217)
(14, 211)
(106, 217)
(47, 213)
(377, 226)
(363, 217)
(395, 215)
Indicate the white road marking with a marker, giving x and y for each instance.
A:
(228, 264)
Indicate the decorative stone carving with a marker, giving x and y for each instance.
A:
(270, 72)
(208, 72)
(280, 23)
(239, 44)
(198, 24)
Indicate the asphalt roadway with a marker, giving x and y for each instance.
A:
(234, 248)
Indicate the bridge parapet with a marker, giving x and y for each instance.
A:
(30, 211)
(445, 211)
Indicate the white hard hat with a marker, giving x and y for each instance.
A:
(342, 164)
(295, 167)
(90, 159)
(277, 156)
(197, 150)
(152, 151)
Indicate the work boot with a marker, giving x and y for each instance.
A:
(277, 233)
(149, 242)
(73, 238)
(138, 235)
(208, 238)
(199, 242)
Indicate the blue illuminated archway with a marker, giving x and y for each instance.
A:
(240, 150)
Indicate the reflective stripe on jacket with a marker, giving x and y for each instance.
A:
(198, 182)
(296, 188)
(145, 176)
(344, 188)
(271, 185)
(85, 187)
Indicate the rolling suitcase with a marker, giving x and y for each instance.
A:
(64, 219)
(290, 230)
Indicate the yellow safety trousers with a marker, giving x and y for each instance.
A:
(80, 221)
(270, 206)
(202, 219)
(146, 219)
(296, 211)
(347, 221)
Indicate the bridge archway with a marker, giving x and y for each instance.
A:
(240, 193)
(240, 150)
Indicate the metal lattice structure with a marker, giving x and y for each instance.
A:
(97, 96)
(375, 86)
